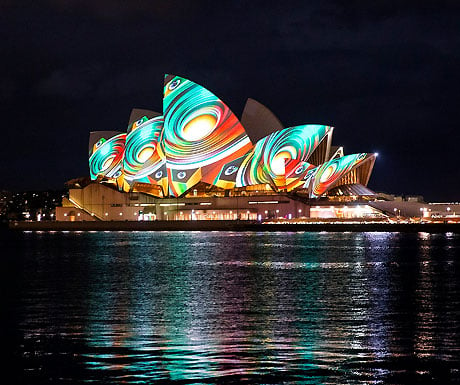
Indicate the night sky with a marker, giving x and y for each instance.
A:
(385, 74)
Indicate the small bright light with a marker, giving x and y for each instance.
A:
(300, 210)
(78, 214)
(376, 154)
(106, 214)
(65, 214)
(121, 214)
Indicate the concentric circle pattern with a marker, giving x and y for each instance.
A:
(266, 163)
(199, 128)
(107, 159)
(330, 172)
(199, 140)
(144, 152)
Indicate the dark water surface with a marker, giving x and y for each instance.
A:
(195, 307)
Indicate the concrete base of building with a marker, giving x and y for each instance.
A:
(97, 202)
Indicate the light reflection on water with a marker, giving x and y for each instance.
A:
(111, 307)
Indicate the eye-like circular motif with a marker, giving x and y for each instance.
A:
(158, 174)
(99, 142)
(299, 170)
(173, 84)
(117, 174)
(230, 170)
(181, 175)
(308, 175)
(139, 122)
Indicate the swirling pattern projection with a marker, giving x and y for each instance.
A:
(309, 177)
(199, 129)
(199, 139)
(107, 157)
(330, 172)
(267, 162)
(144, 152)
(251, 171)
(297, 177)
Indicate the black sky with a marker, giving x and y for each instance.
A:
(384, 73)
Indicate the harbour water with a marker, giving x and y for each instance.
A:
(232, 307)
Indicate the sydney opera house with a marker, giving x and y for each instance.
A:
(198, 161)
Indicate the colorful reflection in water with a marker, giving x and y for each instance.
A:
(121, 307)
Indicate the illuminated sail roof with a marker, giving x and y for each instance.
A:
(199, 139)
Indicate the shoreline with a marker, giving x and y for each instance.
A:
(234, 226)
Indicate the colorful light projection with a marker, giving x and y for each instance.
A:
(144, 153)
(181, 180)
(200, 131)
(267, 162)
(199, 139)
(228, 174)
(299, 175)
(107, 149)
(330, 172)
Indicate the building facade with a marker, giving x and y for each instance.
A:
(197, 161)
